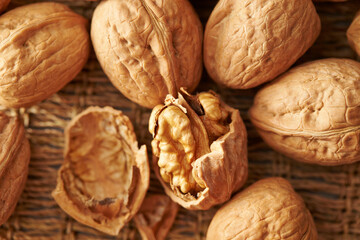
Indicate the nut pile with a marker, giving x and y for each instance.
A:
(151, 51)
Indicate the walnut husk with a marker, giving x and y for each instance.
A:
(14, 163)
(353, 34)
(104, 177)
(269, 209)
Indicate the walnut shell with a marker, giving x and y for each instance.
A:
(249, 42)
(155, 217)
(3, 4)
(353, 33)
(14, 163)
(148, 48)
(268, 209)
(311, 113)
(43, 47)
(199, 149)
(104, 177)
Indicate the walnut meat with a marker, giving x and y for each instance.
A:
(199, 149)
(148, 48)
(14, 163)
(269, 209)
(104, 177)
(3, 4)
(353, 33)
(250, 42)
(43, 46)
(311, 113)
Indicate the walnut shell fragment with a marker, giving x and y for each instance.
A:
(269, 209)
(155, 217)
(147, 48)
(312, 112)
(3, 4)
(249, 42)
(43, 47)
(199, 149)
(104, 177)
(14, 163)
(353, 34)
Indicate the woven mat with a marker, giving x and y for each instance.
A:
(331, 193)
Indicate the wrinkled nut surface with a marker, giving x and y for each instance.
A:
(155, 217)
(199, 149)
(43, 47)
(3, 4)
(269, 209)
(249, 42)
(148, 48)
(312, 112)
(353, 33)
(104, 177)
(14, 163)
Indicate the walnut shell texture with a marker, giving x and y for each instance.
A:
(43, 47)
(14, 163)
(104, 177)
(148, 48)
(249, 42)
(196, 172)
(269, 209)
(3, 4)
(312, 112)
(353, 33)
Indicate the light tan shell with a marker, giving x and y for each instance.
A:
(221, 170)
(353, 33)
(14, 163)
(249, 42)
(148, 48)
(312, 112)
(104, 177)
(3, 4)
(43, 46)
(267, 210)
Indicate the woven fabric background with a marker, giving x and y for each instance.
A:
(331, 193)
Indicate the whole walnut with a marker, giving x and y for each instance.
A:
(269, 209)
(14, 163)
(104, 177)
(3, 4)
(199, 149)
(148, 48)
(43, 46)
(353, 33)
(311, 113)
(249, 42)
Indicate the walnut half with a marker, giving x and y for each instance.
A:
(199, 149)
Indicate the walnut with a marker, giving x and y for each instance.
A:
(43, 47)
(148, 48)
(269, 209)
(249, 42)
(14, 163)
(311, 113)
(104, 177)
(353, 33)
(199, 149)
(3, 4)
(155, 217)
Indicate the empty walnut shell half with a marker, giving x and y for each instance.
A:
(43, 47)
(269, 209)
(148, 48)
(104, 177)
(199, 149)
(249, 42)
(3, 4)
(311, 113)
(14, 163)
(353, 33)
(155, 217)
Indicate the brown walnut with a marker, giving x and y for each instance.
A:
(104, 177)
(312, 112)
(249, 42)
(199, 149)
(43, 47)
(14, 163)
(269, 209)
(148, 48)
(3, 4)
(353, 33)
